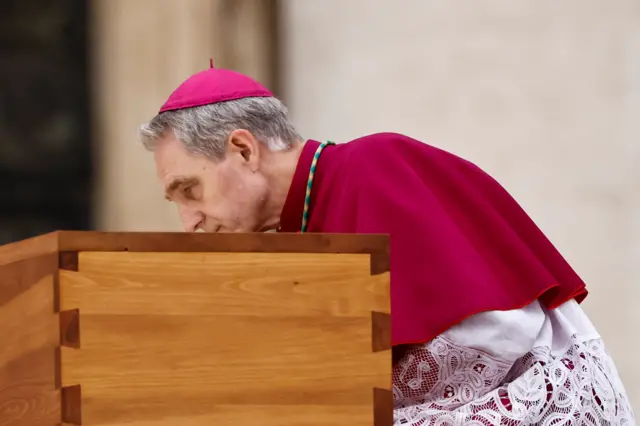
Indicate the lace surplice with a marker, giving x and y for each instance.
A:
(566, 377)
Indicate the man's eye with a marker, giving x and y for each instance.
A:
(188, 193)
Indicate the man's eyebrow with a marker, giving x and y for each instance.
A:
(176, 183)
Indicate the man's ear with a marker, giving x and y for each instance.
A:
(244, 146)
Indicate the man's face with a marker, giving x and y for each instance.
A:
(214, 196)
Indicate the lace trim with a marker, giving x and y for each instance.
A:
(440, 383)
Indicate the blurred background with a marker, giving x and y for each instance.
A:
(544, 95)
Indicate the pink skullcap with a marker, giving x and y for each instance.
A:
(212, 86)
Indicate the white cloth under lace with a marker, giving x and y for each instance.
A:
(525, 367)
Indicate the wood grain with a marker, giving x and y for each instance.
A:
(28, 396)
(68, 260)
(193, 329)
(380, 262)
(148, 361)
(29, 248)
(235, 348)
(380, 331)
(232, 284)
(29, 331)
(18, 277)
(28, 321)
(76, 241)
(71, 403)
(383, 407)
(203, 242)
(70, 328)
(215, 338)
(232, 415)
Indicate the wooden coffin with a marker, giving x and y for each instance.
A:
(155, 329)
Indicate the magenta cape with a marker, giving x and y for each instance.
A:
(460, 244)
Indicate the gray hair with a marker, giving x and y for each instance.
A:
(204, 129)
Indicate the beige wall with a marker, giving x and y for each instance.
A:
(142, 50)
(545, 95)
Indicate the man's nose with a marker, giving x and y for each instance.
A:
(191, 219)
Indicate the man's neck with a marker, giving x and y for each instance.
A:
(280, 172)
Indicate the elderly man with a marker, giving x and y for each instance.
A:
(487, 327)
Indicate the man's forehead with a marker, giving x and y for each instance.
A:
(172, 160)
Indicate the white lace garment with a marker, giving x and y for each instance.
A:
(524, 367)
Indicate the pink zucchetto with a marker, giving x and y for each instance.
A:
(212, 86)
